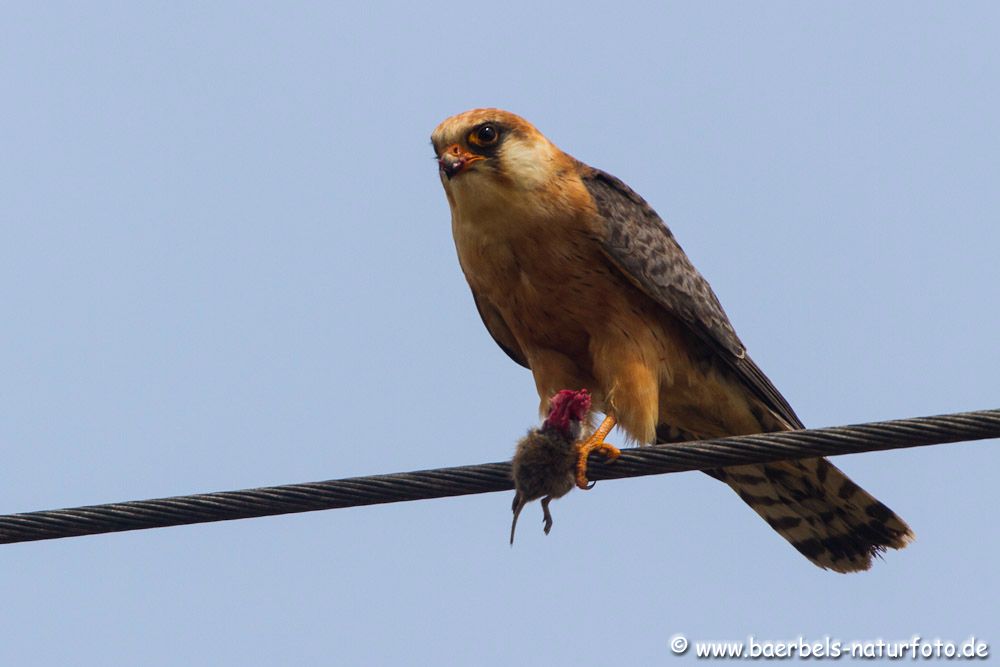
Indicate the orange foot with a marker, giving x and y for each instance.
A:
(594, 442)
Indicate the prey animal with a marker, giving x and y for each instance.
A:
(578, 279)
(544, 464)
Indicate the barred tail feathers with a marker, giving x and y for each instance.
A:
(827, 517)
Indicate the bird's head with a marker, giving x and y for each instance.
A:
(486, 154)
(567, 410)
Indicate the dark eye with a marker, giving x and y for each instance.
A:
(484, 135)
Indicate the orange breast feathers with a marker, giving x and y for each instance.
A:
(578, 322)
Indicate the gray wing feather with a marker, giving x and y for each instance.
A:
(639, 243)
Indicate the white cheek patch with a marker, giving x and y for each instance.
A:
(527, 164)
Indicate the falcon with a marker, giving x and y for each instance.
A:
(579, 280)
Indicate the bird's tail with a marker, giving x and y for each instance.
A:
(831, 520)
(516, 506)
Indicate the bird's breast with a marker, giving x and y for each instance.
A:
(547, 277)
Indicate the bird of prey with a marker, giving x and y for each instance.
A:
(579, 280)
(545, 460)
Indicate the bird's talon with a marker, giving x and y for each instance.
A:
(609, 452)
(594, 443)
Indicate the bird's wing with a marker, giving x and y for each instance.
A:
(498, 328)
(640, 245)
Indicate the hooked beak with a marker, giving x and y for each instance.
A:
(454, 160)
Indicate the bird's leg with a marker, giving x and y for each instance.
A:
(594, 442)
(548, 516)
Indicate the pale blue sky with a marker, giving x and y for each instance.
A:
(225, 261)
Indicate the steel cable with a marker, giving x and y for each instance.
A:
(489, 477)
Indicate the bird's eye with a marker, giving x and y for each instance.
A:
(484, 135)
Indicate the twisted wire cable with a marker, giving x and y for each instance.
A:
(489, 477)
